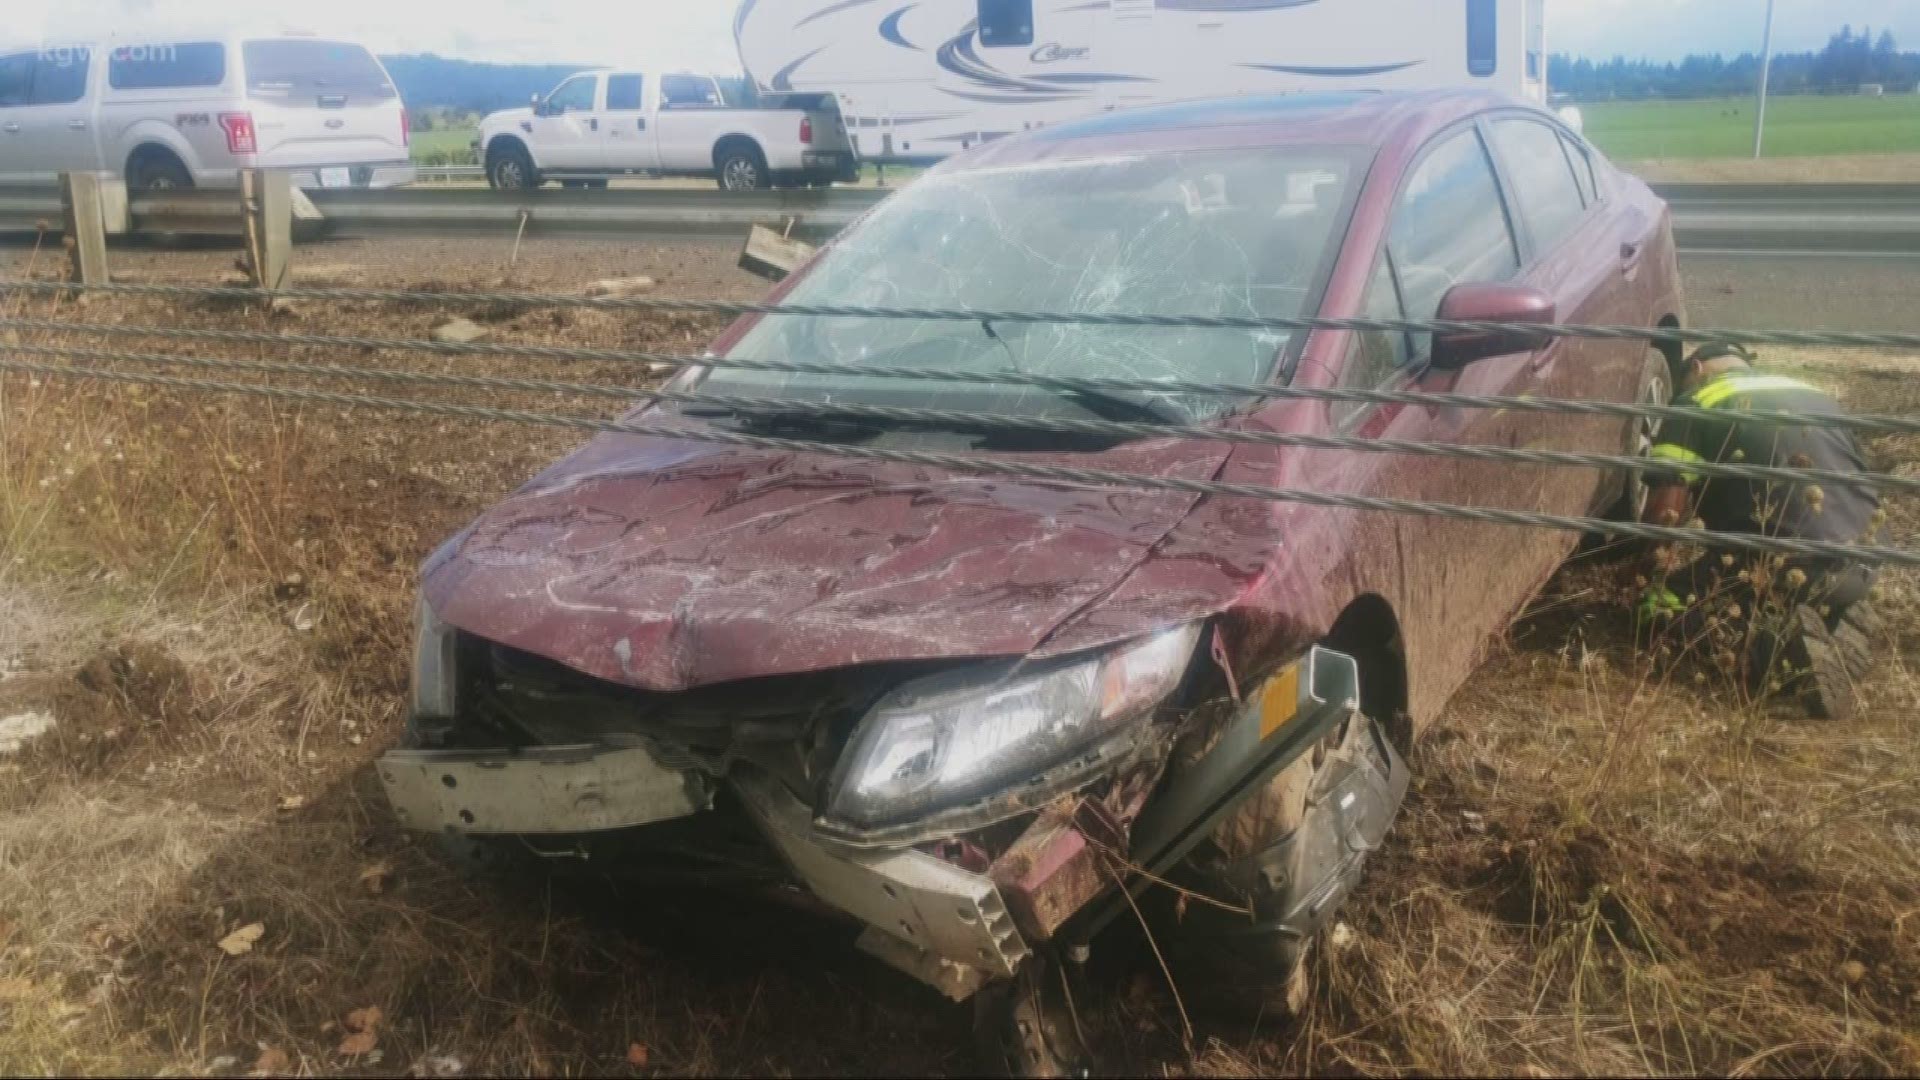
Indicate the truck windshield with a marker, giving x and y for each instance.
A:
(305, 72)
(1237, 232)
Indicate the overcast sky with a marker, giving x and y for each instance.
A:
(698, 33)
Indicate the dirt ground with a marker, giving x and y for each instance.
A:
(1606, 866)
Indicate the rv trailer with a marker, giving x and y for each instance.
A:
(918, 81)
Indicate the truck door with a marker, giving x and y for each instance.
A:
(630, 142)
(45, 121)
(565, 127)
(687, 127)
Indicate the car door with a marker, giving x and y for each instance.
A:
(629, 141)
(1455, 582)
(1564, 235)
(565, 127)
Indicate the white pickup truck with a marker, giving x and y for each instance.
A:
(601, 124)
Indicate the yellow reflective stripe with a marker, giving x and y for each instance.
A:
(1716, 393)
(1679, 455)
(1673, 452)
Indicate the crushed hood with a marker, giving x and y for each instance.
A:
(667, 564)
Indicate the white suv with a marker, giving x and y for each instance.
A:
(196, 110)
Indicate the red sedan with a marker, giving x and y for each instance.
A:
(942, 701)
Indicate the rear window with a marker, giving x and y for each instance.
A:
(167, 67)
(314, 72)
(623, 92)
(1550, 199)
(688, 92)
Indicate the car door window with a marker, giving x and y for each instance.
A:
(623, 92)
(1582, 168)
(574, 95)
(1375, 356)
(60, 79)
(1547, 195)
(1450, 227)
(687, 92)
(16, 80)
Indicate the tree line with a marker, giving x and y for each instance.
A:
(1850, 61)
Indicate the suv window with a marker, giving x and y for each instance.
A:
(1548, 196)
(623, 92)
(308, 72)
(16, 80)
(1450, 227)
(167, 67)
(61, 79)
(687, 92)
(1375, 355)
(574, 95)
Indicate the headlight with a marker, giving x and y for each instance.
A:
(959, 735)
(434, 674)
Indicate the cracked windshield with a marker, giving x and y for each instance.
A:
(1232, 233)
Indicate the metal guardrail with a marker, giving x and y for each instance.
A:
(1743, 218)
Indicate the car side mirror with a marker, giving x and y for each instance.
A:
(1502, 303)
(538, 105)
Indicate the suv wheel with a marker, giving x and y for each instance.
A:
(740, 170)
(511, 169)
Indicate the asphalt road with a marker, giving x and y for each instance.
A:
(1803, 292)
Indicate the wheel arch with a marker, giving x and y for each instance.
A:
(1674, 351)
(143, 145)
(506, 141)
(736, 140)
(1369, 631)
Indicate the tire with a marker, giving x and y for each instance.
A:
(1655, 388)
(742, 170)
(158, 170)
(511, 168)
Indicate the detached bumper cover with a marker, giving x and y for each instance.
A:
(939, 923)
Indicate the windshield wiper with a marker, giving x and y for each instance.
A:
(796, 422)
(1123, 408)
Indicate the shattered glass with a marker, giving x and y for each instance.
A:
(1220, 232)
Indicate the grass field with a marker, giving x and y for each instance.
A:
(444, 146)
(1723, 127)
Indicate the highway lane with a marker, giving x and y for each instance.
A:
(1803, 292)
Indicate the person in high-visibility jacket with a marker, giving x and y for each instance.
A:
(1807, 621)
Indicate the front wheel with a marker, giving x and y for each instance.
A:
(742, 170)
(511, 169)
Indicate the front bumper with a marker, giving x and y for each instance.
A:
(935, 921)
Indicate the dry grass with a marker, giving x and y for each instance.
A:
(1604, 867)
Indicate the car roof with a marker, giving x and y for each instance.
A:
(1352, 118)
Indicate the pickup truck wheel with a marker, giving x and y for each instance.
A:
(741, 170)
(511, 169)
(158, 172)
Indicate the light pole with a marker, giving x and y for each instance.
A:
(1766, 70)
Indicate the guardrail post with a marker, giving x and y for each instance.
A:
(267, 202)
(86, 228)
